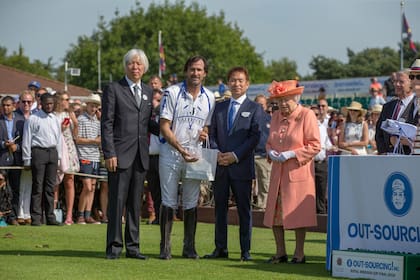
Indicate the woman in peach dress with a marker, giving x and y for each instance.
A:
(293, 142)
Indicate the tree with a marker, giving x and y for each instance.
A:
(283, 69)
(20, 61)
(327, 68)
(186, 30)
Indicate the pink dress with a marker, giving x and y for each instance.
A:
(291, 196)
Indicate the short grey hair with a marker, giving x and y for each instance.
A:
(133, 53)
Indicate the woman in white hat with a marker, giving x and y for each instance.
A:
(354, 136)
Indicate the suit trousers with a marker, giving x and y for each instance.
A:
(321, 175)
(14, 180)
(44, 175)
(153, 182)
(242, 191)
(125, 190)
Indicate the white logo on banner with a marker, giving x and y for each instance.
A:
(398, 194)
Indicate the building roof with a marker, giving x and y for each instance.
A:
(13, 81)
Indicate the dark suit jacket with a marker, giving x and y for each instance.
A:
(125, 126)
(241, 139)
(16, 158)
(383, 138)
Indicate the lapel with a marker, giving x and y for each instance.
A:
(242, 108)
(3, 127)
(127, 92)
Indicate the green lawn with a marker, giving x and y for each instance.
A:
(77, 252)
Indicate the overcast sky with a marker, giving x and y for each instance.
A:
(296, 29)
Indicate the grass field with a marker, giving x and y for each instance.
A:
(77, 252)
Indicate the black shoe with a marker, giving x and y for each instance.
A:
(296, 261)
(246, 257)
(112, 257)
(54, 223)
(277, 259)
(136, 256)
(218, 254)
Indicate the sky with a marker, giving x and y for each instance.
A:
(295, 29)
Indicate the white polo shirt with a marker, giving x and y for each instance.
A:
(188, 116)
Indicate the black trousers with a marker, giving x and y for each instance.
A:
(321, 176)
(14, 181)
(44, 176)
(124, 190)
(153, 182)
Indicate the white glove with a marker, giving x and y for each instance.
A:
(286, 155)
(274, 155)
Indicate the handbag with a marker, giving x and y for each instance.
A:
(58, 212)
(205, 167)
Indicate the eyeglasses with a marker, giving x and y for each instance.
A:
(414, 76)
(65, 99)
(1, 179)
(26, 101)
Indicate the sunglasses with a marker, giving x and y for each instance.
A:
(26, 101)
(417, 77)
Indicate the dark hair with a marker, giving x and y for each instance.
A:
(6, 98)
(194, 59)
(46, 96)
(240, 69)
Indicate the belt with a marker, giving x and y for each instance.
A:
(43, 148)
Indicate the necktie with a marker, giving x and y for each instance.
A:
(396, 110)
(137, 95)
(232, 113)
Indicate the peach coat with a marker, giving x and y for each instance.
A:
(294, 179)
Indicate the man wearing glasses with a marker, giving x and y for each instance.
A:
(323, 110)
(402, 109)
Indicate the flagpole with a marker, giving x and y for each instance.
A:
(402, 39)
(159, 44)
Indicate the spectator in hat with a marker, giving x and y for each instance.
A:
(372, 119)
(88, 141)
(34, 85)
(354, 136)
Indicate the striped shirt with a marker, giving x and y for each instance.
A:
(90, 128)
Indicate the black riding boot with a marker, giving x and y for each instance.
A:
(166, 220)
(190, 225)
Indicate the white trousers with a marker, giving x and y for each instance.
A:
(171, 173)
(25, 191)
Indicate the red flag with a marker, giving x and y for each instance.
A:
(407, 30)
(162, 63)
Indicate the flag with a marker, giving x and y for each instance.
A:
(162, 64)
(407, 30)
(162, 59)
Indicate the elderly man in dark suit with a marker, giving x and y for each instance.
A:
(235, 132)
(402, 109)
(125, 124)
(11, 130)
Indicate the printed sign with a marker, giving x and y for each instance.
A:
(366, 265)
(374, 204)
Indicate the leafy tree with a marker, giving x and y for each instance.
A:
(19, 61)
(186, 30)
(372, 62)
(327, 68)
(283, 69)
